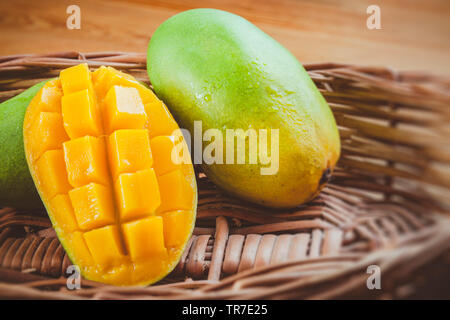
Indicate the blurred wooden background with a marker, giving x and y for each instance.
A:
(415, 34)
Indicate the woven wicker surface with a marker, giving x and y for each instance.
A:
(387, 203)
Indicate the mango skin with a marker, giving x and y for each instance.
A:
(16, 185)
(217, 67)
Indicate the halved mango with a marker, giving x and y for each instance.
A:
(99, 150)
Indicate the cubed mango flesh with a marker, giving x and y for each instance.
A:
(165, 154)
(77, 248)
(105, 245)
(129, 151)
(77, 78)
(81, 114)
(176, 192)
(86, 161)
(137, 194)
(93, 206)
(174, 223)
(106, 77)
(50, 98)
(99, 146)
(145, 238)
(160, 121)
(51, 171)
(123, 109)
(49, 134)
(64, 217)
(46, 100)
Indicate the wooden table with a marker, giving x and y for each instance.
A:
(415, 35)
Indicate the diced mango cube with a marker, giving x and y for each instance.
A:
(98, 74)
(81, 115)
(78, 245)
(50, 98)
(48, 134)
(102, 79)
(176, 193)
(104, 245)
(123, 109)
(54, 83)
(76, 78)
(122, 211)
(119, 78)
(145, 238)
(32, 111)
(106, 77)
(162, 148)
(137, 194)
(159, 121)
(176, 228)
(63, 214)
(146, 94)
(86, 161)
(93, 206)
(129, 151)
(51, 171)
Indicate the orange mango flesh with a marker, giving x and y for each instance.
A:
(99, 146)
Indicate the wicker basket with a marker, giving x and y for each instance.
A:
(387, 204)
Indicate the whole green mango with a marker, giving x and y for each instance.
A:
(16, 185)
(216, 67)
